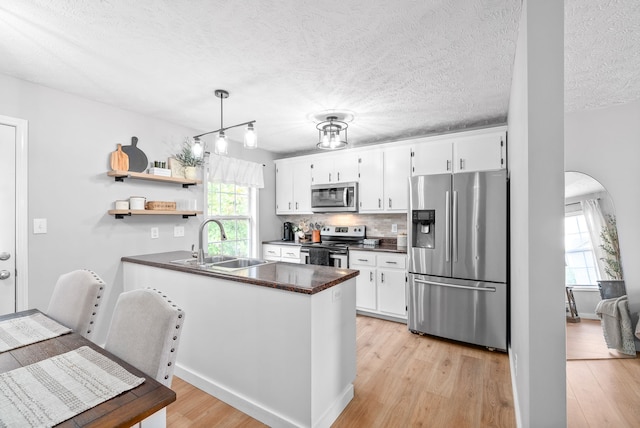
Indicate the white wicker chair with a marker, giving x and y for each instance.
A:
(76, 299)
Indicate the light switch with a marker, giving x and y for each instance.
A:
(39, 225)
(155, 233)
(394, 228)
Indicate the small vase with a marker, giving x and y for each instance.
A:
(190, 173)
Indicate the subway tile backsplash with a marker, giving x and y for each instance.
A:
(378, 225)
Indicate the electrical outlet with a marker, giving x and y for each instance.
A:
(178, 231)
(155, 233)
(39, 225)
(394, 228)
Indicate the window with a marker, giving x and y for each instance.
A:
(234, 206)
(580, 263)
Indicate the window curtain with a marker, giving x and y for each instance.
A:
(595, 222)
(223, 169)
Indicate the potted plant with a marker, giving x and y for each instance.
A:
(614, 286)
(189, 161)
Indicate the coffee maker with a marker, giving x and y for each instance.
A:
(287, 234)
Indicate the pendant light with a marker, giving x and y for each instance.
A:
(221, 144)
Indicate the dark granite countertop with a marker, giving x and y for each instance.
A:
(275, 242)
(306, 279)
(389, 248)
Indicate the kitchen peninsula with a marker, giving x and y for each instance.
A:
(277, 341)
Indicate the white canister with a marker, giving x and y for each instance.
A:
(137, 202)
(402, 240)
(122, 205)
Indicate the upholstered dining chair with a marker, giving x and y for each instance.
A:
(145, 332)
(77, 297)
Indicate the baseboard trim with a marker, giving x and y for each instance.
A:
(256, 410)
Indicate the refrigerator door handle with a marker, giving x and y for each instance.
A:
(454, 226)
(447, 226)
(464, 287)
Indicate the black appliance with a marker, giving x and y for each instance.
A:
(287, 233)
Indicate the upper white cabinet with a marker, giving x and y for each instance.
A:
(464, 152)
(383, 178)
(340, 168)
(293, 186)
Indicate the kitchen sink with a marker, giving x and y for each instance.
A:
(238, 263)
(207, 260)
(222, 263)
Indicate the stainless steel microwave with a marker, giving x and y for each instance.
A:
(339, 197)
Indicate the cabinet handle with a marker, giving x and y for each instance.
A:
(461, 164)
(381, 276)
(448, 165)
(379, 203)
(290, 254)
(371, 276)
(296, 206)
(329, 177)
(389, 202)
(271, 252)
(363, 260)
(338, 176)
(289, 205)
(391, 263)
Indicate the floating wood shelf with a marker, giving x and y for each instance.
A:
(121, 175)
(121, 213)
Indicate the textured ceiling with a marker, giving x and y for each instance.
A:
(404, 68)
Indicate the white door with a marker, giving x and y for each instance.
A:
(397, 170)
(7, 219)
(479, 153)
(13, 215)
(431, 157)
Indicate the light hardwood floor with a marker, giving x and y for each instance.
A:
(603, 386)
(403, 380)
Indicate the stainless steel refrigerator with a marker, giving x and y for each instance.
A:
(457, 240)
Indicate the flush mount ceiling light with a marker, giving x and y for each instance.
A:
(221, 144)
(329, 137)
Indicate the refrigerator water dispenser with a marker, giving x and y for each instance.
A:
(423, 228)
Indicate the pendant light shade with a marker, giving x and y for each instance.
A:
(221, 143)
(250, 137)
(329, 134)
(197, 148)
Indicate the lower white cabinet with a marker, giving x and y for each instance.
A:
(381, 285)
(281, 253)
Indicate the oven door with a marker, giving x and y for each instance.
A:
(337, 260)
(334, 198)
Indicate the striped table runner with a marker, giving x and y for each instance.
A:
(17, 332)
(58, 388)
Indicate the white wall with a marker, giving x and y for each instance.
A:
(70, 139)
(537, 348)
(605, 144)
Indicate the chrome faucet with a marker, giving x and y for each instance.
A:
(223, 236)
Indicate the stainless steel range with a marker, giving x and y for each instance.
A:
(333, 250)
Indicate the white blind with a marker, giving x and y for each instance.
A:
(223, 169)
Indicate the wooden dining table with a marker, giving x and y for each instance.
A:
(123, 410)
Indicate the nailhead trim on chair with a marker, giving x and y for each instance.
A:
(95, 311)
(172, 359)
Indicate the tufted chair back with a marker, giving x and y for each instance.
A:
(145, 332)
(76, 298)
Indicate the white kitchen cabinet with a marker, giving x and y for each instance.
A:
(371, 181)
(479, 153)
(293, 186)
(340, 168)
(463, 152)
(383, 179)
(381, 285)
(281, 253)
(397, 167)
